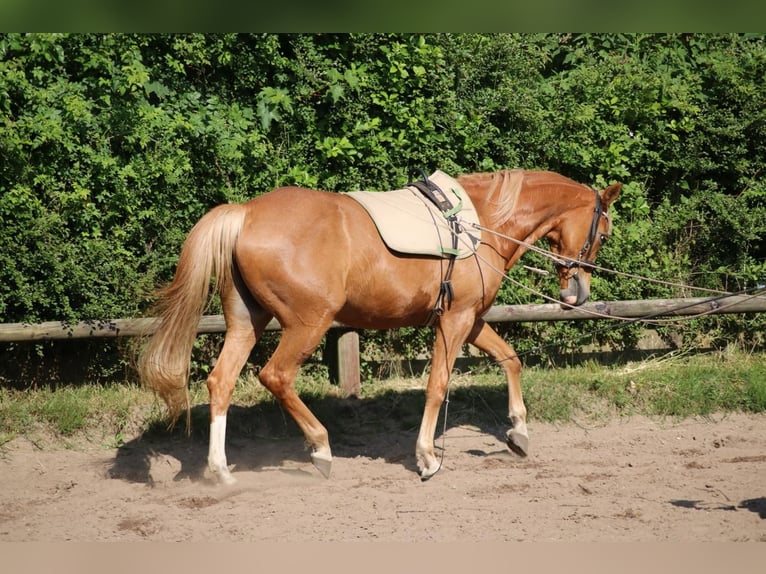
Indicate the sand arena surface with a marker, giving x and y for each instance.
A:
(629, 479)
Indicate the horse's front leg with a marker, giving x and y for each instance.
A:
(450, 335)
(486, 339)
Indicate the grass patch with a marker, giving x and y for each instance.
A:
(670, 386)
(104, 414)
(674, 386)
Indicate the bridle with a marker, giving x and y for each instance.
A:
(584, 259)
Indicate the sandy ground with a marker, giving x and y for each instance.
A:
(629, 479)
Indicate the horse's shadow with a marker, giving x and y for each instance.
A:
(757, 505)
(263, 436)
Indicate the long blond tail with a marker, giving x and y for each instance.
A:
(163, 363)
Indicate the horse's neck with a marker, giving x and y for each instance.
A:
(530, 217)
(533, 217)
(529, 223)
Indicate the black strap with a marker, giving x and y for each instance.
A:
(435, 194)
(432, 191)
(587, 248)
(584, 260)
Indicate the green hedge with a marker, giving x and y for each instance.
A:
(113, 145)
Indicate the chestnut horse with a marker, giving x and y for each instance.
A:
(309, 257)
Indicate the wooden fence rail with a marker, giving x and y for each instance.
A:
(348, 341)
(19, 332)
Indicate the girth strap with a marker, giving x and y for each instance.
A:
(435, 194)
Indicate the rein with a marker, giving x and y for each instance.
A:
(651, 318)
(563, 260)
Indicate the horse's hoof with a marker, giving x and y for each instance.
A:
(223, 476)
(517, 442)
(322, 462)
(428, 471)
(227, 479)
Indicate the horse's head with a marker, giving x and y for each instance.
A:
(577, 240)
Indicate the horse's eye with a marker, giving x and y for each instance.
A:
(603, 238)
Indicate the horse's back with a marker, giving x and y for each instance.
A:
(295, 224)
(299, 244)
(287, 211)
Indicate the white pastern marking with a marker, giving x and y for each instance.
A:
(217, 450)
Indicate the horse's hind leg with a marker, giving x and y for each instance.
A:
(487, 340)
(244, 325)
(278, 375)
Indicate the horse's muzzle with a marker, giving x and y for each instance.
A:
(576, 293)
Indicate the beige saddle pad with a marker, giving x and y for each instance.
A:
(409, 223)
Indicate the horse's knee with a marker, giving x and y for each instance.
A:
(436, 392)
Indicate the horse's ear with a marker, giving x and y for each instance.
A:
(610, 194)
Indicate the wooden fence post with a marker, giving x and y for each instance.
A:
(342, 358)
(349, 378)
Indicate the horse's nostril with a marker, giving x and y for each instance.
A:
(577, 291)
